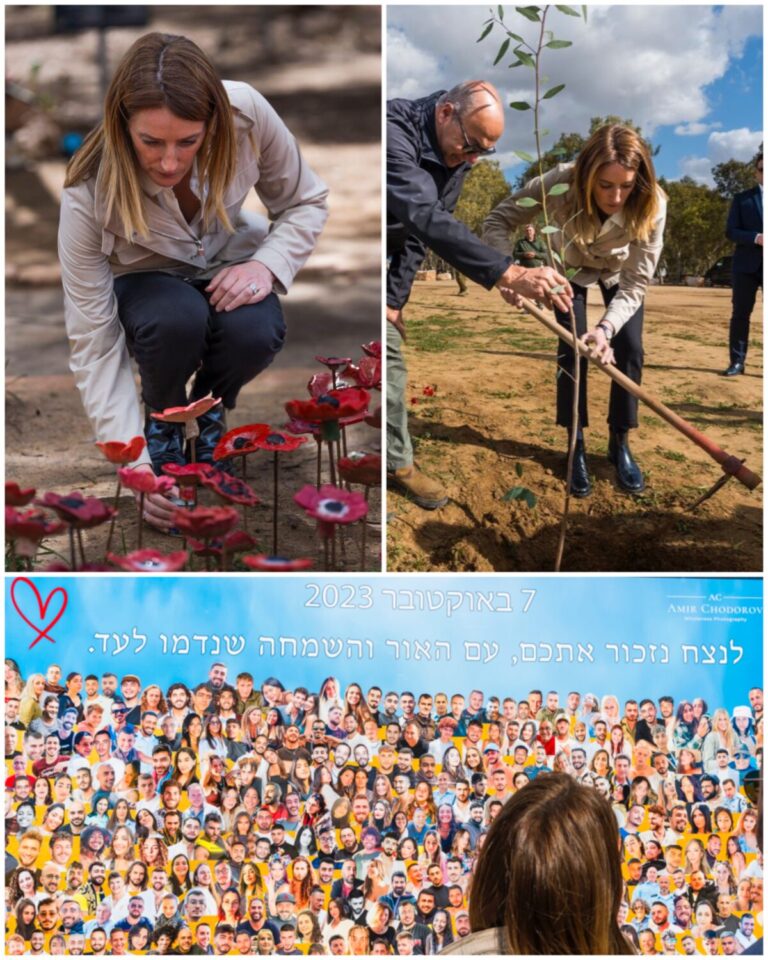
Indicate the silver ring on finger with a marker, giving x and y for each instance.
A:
(254, 289)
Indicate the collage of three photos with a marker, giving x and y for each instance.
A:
(347, 611)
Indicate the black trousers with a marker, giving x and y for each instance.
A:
(745, 287)
(628, 349)
(174, 333)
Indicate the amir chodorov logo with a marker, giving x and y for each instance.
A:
(715, 607)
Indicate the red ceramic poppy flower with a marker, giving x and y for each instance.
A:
(373, 349)
(141, 480)
(235, 542)
(150, 561)
(16, 497)
(280, 442)
(260, 561)
(299, 427)
(241, 440)
(362, 468)
(334, 363)
(321, 383)
(332, 505)
(191, 412)
(231, 488)
(334, 405)
(205, 522)
(76, 510)
(30, 525)
(117, 452)
(366, 373)
(190, 474)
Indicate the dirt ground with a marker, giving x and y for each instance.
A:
(490, 427)
(303, 60)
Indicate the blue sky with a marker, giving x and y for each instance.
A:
(593, 612)
(691, 76)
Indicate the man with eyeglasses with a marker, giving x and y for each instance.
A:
(432, 144)
(745, 229)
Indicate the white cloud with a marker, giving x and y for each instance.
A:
(738, 144)
(695, 129)
(698, 168)
(651, 64)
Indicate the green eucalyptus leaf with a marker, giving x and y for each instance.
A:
(502, 50)
(556, 257)
(527, 202)
(524, 156)
(485, 32)
(569, 10)
(519, 469)
(550, 230)
(560, 288)
(517, 64)
(530, 13)
(501, 12)
(520, 105)
(559, 44)
(521, 493)
(557, 189)
(526, 58)
(515, 36)
(553, 92)
(571, 272)
(584, 11)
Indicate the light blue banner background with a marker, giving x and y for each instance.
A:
(632, 637)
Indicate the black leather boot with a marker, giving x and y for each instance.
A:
(581, 485)
(628, 474)
(213, 426)
(165, 442)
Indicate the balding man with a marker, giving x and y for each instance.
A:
(432, 144)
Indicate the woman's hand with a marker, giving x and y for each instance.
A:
(158, 509)
(599, 345)
(240, 285)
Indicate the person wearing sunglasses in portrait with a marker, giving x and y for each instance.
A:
(432, 144)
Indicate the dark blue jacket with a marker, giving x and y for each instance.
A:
(745, 221)
(422, 193)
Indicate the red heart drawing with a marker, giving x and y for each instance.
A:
(41, 628)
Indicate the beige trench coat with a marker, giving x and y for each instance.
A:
(609, 254)
(93, 251)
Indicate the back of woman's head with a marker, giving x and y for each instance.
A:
(615, 143)
(549, 872)
(158, 70)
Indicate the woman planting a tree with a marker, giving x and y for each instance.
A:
(610, 216)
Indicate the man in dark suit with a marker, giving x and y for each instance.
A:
(745, 228)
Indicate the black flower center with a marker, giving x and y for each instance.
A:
(276, 439)
(334, 506)
(331, 401)
(240, 442)
(71, 502)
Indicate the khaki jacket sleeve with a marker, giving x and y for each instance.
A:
(295, 197)
(637, 272)
(98, 353)
(503, 220)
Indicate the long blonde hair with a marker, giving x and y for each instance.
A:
(159, 70)
(614, 144)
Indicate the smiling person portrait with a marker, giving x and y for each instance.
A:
(159, 260)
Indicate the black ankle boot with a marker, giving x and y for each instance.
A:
(165, 442)
(628, 474)
(581, 485)
(213, 426)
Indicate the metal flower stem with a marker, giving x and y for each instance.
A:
(79, 534)
(245, 468)
(112, 521)
(364, 522)
(332, 462)
(275, 469)
(319, 461)
(72, 558)
(141, 519)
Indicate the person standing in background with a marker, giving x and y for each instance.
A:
(745, 228)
